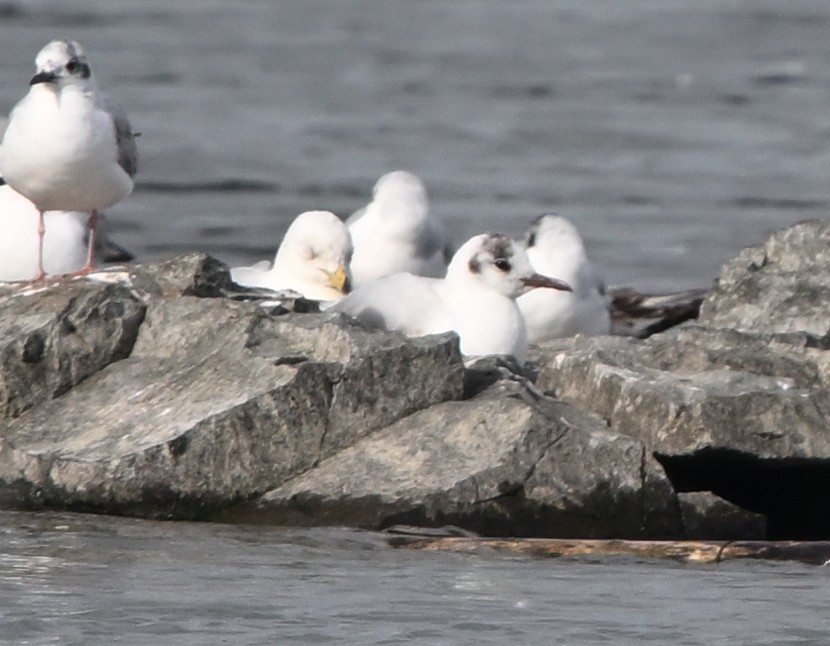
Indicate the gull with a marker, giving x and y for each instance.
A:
(65, 242)
(555, 248)
(476, 298)
(67, 146)
(313, 259)
(394, 232)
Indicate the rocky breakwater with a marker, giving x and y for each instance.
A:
(163, 392)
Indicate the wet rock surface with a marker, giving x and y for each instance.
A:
(166, 391)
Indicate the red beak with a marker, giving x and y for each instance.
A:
(537, 280)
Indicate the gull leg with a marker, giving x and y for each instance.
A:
(93, 233)
(41, 230)
(90, 254)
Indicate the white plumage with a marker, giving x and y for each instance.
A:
(67, 146)
(394, 233)
(555, 248)
(313, 259)
(476, 298)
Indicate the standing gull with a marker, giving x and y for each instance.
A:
(67, 146)
(476, 298)
(555, 248)
(313, 259)
(394, 233)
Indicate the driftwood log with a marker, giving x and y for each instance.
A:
(810, 552)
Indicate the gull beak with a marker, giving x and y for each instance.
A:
(338, 279)
(43, 77)
(537, 280)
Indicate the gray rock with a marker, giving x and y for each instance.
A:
(217, 402)
(55, 335)
(695, 388)
(705, 516)
(737, 414)
(505, 462)
(782, 285)
(170, 392)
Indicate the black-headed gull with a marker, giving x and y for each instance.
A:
(555, 248)
(476, 298)
(395, 233)
(313, 259)
(67, 146)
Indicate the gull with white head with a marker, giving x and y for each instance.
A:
(313, 259)
(65, 242)
(67, 146)
(476, 298)
(395, 233)
(555, 248)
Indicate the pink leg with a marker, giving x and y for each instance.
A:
(41, 230)
(90, 254)
(93, 232)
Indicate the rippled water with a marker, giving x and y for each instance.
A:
(70, 579)
(672, 133)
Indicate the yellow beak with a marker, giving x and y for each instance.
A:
(337, 278)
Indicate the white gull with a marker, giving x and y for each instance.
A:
(313, 259)
(395, 233)
(476, 298)
(555, 248)
(68, 146)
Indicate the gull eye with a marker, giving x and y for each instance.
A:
(502, 263)
(72, 66)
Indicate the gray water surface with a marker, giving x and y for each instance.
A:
(72, 579)
(672, 133)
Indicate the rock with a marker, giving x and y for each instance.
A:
(782, 285)
(731, 408)
(694, 388)
(506, 462)
(54, 336)
(165, 391)
(191, 274)
(217, 402)
(708, 517)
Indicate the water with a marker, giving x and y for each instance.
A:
(73, 579)
(672, 133)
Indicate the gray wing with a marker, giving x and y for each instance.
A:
(124, 135)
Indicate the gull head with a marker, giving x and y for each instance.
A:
(61, 62)
(499, 263)
(551, 232)
(317, 248)
(400, 195)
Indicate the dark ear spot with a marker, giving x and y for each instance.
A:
(474, 265)
(533, 230)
